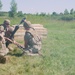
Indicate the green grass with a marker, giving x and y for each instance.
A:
(58, 51)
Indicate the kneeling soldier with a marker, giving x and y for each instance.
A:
(32, 41)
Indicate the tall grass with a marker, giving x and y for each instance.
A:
(58, 51)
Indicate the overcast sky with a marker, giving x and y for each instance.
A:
(38, 6)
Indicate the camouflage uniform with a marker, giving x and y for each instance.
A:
(3, 49)
(33, 39)
(8, 28)
(8, 31)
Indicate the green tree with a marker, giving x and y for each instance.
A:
(1, 8)
(66, 12)
(13, 9)
(0, 5)
(20, 14)
(71, 11)
(54, 14)
(42, 14)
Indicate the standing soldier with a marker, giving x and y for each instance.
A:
(32, 41)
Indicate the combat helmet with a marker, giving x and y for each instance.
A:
(27, 24)
(7, 22)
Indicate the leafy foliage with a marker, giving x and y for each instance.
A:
(67, 17)
(0, 5)
(20, 14)
(13, 11)
(66, 12)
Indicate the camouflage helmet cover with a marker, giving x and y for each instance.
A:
(7, 22)
(27, 24)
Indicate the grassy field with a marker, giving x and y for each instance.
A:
(58, 51)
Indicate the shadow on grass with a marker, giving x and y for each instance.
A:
(16, 54)
(20, 54)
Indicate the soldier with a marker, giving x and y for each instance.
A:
(8, 31)
(32, 41)
(3, 49)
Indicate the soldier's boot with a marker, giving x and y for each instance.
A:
(2, 59)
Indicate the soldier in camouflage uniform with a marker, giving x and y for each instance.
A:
(32, 41)
(8, 30)
(3, 49)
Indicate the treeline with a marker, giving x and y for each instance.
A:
(66, 15)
